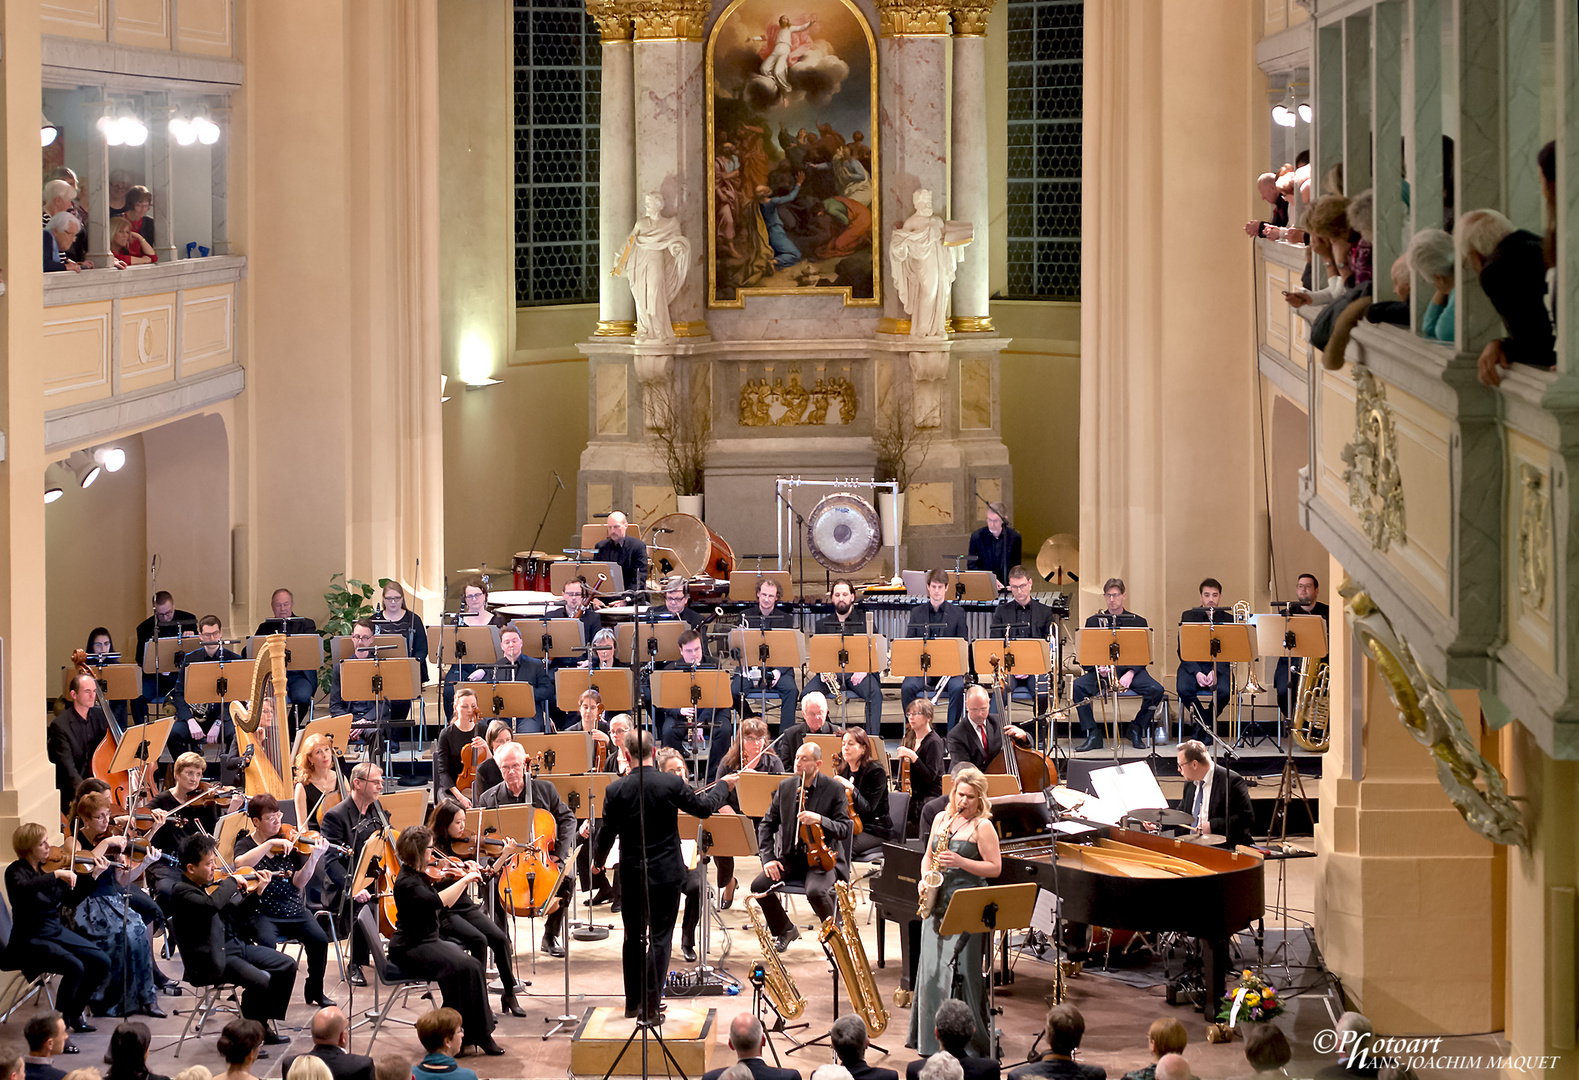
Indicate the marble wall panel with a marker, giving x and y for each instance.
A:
(76, 352)
(147, 342)
(649, 502)
(612, 407)
(975, 392)
(988, 489)
(930, 504)
(75, 18)
(142, 23)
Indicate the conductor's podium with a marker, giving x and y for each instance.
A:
(599, 1044)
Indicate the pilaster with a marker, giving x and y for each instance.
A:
(616, 166)
(968, 192)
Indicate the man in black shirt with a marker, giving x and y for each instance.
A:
(814, 709)
(518, 789)
(166, 621)
(1197, 679)
(1132, 678)
(350, 824)
(644, 805)
(575, 606)
(1305, 589)
(368, 718)
(752, 682)
(937, 618)
(995, 547)
(848, 618)
(74, 735)
(300, 686)
(208, 722)
(1021, 617)
(672, 723)
(516, 666)
(625, 551)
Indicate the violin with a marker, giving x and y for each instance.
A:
(491, 846)
(305, 842)
(471, 757)
(79, 862)
(818, 854)
(249, 878)
(208, 792)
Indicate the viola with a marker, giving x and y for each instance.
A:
(305, 842)
(249, 878)
(818, 854)
(471, 757)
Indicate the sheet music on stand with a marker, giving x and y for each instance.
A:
(1126, 788)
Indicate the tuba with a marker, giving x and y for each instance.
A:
(778, 985)
(843, 940)
(1309, 725)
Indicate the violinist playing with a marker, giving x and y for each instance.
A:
(464, 922)
(806, 798)
(488, 774)
(192, 814)
(867, 782)
(418, 946)
(279, 913)
(458, 734)
(921, 755)
(748, 753)
(212, 950)
(108, 918)
(40, 941)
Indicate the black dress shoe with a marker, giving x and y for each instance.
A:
(154, 1011)
(274, 1038)
(72, 1048)
(322, 1001)
(553, 948)
(262, 1053)
(356, 978)
(1136, 739)
(688, 951)
(782, 941)
(1093, 742)
(615, 906)
(80, 1026)
(511, 1006)
(491, 1048)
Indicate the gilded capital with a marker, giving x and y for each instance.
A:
(614, 23)
(912, 18)
(670, 20)
(970, 18)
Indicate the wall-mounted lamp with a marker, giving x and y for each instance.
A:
(123, 127)
(1304, 111)
(52, 490)
(113, 458)
(83, 467)
(476, 363)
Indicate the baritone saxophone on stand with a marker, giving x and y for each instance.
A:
(778, 985)
(843, 938)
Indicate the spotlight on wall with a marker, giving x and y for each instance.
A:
(123, 128)
(52, 489)
(83, 467)
(183, 131)
(1304, 111)
(1281, 116)
(113, 458)
(46, 130)
(476, 363)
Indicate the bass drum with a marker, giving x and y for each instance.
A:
(843, 532)
(701, 551)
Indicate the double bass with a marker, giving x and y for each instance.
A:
(103, 754)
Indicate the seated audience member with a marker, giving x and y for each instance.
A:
(45, 1033)
(194, 1072)
(307, 1068)
(129, 1053)
(1266, 1049)
(745, 1039)
(1165, 1036)
(1361, 212)
(391, 1067)
(1065, 1028)
(1173, 1067)
(79, 250)
(830, 1072)
(241, 1044)
(59, 195)
(13, 1062)
(849, 1038)
(1431, 256)
(59, 235)
(331, 1034)
(1513, 276)
(942, 1066)
(439, 1031)
(1394, 311)
(139, 201)
(128, 245)
(1327, 224)
(955, 1027)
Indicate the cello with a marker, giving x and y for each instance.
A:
(103, 754)
(531, 876)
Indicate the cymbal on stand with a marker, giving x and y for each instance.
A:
(1059, 556)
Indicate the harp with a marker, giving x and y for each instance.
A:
(260, 739)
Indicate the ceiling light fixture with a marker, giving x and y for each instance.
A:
(83, 467)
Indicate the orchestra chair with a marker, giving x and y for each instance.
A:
(208, 1003)
(898, 813)
(386, 976)
(326, 920)
(37, 986)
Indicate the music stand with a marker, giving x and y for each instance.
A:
(385, 647)
(512, 700)
(756, 791)
(962, 584)
(303, 652)
(616, 686)
(594, 533)
(1287, 637)
(692, 688)
(766, 649)
(743, 585)
(1213, 644)
(139, 747)
(659, 641)
(998, 785)
(831, 745)
(587, 573)
(842, 654)
(565, 753)
(552, 639)
(940, 658)
(1113, 647)
(379, 681)
(988, 909)
(475, 645)
(118, 682)
(337, 729)
(729, 836)
(162, 657)
(1014, 656)
(405, 808)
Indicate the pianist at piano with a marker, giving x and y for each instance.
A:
(1217, 797)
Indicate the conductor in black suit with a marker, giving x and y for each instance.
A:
(645, 803)
(624, 550)
(783, 854)
(1306, 604)
(746, 1038)
(1217, 797)
(74, 735)
(1196, 680)
(995, 547)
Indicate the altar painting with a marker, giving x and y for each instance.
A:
(792, 124)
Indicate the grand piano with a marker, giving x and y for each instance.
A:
(1120, 879)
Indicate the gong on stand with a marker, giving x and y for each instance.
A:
(843, 532)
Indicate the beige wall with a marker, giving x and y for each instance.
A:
(188, 513)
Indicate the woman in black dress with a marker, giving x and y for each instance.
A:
(394, 618)
(40, 942)
(465, 922)
(417, 946)
(923, 749)
(748, 753)
(868, 782)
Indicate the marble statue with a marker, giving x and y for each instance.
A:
(655, 261)
(923, 253)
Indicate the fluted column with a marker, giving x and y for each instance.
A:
(968, 200)
(671, 136)
(913, 54)
(616, 166)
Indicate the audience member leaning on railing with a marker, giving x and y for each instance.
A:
(1431, 255)
(1513, 276)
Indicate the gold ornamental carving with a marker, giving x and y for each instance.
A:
(670, 20)
(781, 404)
(1376, 490)
(1535, 535)
(970, 19)
(1477, 789)
(615, 328)
(912, 18)
(614, 23)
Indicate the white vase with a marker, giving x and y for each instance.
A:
(891, 511)
(689, 504)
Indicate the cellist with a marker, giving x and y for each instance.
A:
(74, 735)
(518, 789)
(464, 922)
